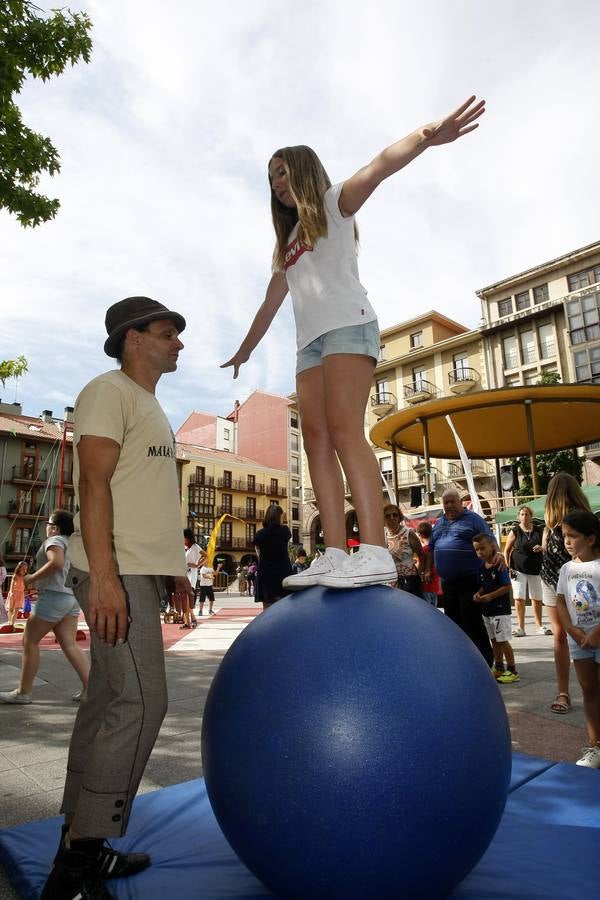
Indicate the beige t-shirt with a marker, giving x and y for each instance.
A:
(147, 525)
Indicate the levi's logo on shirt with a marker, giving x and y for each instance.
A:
(293, 252)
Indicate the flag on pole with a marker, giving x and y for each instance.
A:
(211, 547)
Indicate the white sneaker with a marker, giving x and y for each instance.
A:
(590, 758)
(543, 629)
(369, 565)
(327, 562)
(14, 697)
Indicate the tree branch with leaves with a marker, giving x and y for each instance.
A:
(41, 45)
(12, 368)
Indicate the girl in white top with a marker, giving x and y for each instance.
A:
(338, 338)
(578, 604)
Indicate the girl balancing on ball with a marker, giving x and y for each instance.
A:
(315, 259)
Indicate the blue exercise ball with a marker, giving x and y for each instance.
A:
(355, 746)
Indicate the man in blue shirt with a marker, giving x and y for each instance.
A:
(451, 546)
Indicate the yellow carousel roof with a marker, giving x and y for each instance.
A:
(493, 424)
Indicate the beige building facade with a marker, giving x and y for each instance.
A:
(215, 483)
(544, 320)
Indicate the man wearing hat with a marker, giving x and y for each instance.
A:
(127, 540)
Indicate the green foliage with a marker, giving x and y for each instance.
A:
(12, 368)
(32, 43)
(548, 464)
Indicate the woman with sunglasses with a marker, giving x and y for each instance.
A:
(404, 545)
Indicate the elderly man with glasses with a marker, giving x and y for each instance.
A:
(451, 547)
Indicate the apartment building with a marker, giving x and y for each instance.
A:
(425, 358)
(36, 475)
(217, 482)
(546, 319)
(264, 429)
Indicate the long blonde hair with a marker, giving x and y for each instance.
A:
(308, 183)
(564, 495)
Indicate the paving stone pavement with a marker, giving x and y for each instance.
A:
(34, 739)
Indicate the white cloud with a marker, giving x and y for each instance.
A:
(165, 138)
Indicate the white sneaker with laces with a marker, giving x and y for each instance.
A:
(590, 758)
(14, 697)
(369, 565)
(332, 558)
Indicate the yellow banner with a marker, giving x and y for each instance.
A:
(211, 547)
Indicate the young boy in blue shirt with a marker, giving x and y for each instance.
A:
(494, 593)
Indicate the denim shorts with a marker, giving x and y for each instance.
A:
(360, 339)
(53, 606)
(578, 652)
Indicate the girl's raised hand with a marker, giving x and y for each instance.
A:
(236, 361)
(457, 124)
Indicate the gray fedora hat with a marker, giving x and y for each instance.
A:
(130, 313)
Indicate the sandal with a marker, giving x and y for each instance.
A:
(519, 632)
(561, 707)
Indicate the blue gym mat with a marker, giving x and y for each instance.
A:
(545, 848)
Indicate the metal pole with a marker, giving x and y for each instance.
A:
(61, 479)
(427, 472)
(499, 490)
(532, 456)
(395, 470)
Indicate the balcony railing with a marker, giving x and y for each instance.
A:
(383, 403)
(241, 512)
(462, 380)
(419, 391)
(20, 474)
(206, 480)
(232, 484)
(241, 484)
(235, 543)
(17, 509)
(480, 468)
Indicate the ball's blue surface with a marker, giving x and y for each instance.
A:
(355, 745)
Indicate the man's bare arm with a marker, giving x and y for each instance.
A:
(108, 616)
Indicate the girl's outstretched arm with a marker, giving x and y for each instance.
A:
(276, 293)
(360, 186)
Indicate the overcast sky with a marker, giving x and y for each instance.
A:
(164, 140)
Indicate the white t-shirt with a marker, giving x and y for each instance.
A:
(579, 583)
(192, 555)
(206, 576)
(323, 280)
(144, 486)
(55, 581)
